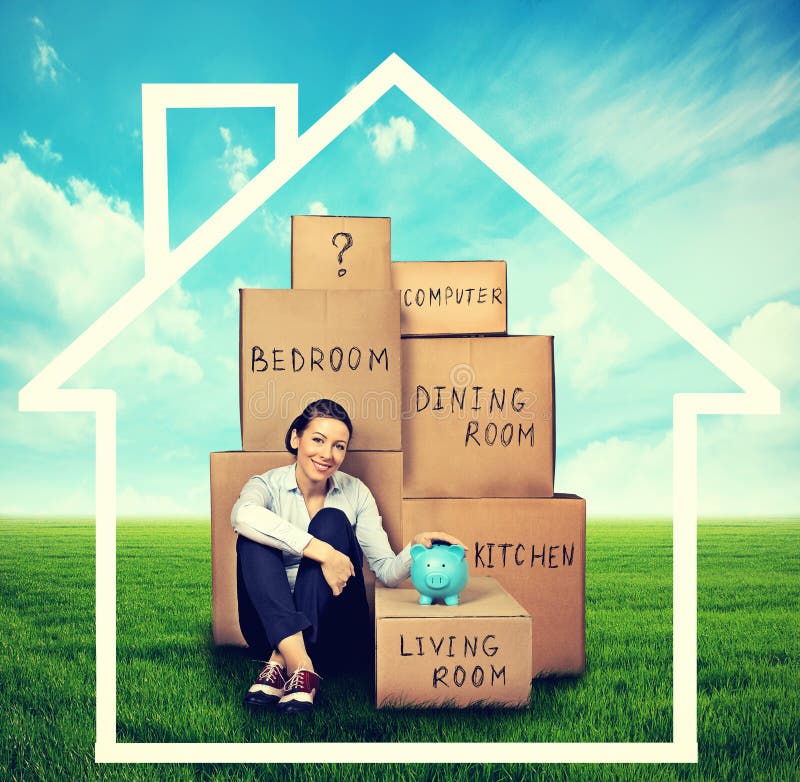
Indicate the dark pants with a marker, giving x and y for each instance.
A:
(335, 629)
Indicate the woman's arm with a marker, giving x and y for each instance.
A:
(252, 517)
(391, 569)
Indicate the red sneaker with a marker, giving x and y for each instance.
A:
(268, 687)
(299, 691)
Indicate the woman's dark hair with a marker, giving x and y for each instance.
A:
(322, 408)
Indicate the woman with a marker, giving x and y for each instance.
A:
(301, 533)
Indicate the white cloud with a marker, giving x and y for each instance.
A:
(276, 226)
(573, 302)
(588, 347)
(655, 105)
(599, 350)
(399, 133)
(236, 161)
(175, 315)
(717, 246)
(146, 352)
(232, 303)
(621, 477)
(317, 208)
(27, 350)
(770, 341)
(70, 499)
(47, 65)
(66, 256)
(132, 502)
(746, 464)
(44, 148)
(44, 432)
(746, 468)
(233, 290)
(233, 294)
(158, 496)
(726, 242)
(71, 251)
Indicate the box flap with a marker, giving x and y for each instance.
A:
(483, 596)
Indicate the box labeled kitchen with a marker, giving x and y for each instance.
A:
(535, 548)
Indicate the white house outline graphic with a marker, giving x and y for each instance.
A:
(164, 267)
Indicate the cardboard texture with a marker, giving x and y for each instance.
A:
(230, 470)
(298, 346)
(535, 548)
(341, 253)
(478, 417)
(451, 297)
(476, 652)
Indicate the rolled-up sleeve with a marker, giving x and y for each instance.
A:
(253, 517)
(391, 569)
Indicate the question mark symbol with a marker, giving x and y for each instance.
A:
(348, 244)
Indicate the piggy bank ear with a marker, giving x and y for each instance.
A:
(416, 550)
(458, 551)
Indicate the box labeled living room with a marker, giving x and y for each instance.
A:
(477, 652)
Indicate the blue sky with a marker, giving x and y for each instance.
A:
(674, 129)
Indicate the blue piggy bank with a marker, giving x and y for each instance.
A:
(438, 571)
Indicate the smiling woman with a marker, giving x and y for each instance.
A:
(300, 585)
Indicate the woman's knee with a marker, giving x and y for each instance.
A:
(332, 526)
(251, 554)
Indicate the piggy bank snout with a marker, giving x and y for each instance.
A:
(437, 580)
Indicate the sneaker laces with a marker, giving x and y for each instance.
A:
(269, 670)
(295, 680)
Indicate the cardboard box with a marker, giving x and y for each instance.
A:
(341, 253)
(475, 652)
(536, 548)
(451, 297)
(478, 417)
(230, 470)
(298, 346)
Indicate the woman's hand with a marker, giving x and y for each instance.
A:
(337, 569)
(426, 539)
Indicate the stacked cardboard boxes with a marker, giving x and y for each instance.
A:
(454, 430)
(479, 449)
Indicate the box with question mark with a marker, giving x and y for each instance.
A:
(341, 253)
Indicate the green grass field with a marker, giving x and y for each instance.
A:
(175, 686)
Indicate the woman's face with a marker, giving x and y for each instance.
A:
(321, 448)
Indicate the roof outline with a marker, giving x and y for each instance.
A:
(164, 267)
